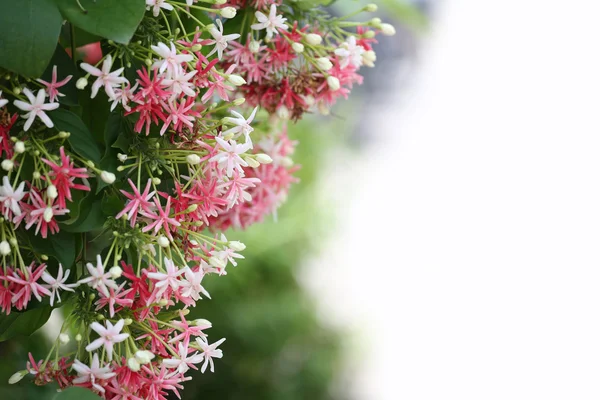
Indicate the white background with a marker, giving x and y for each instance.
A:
(467, 256)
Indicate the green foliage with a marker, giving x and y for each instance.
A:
(81, 138)
(111, 19)
(29, 31)
(76, 393)
(23, 323)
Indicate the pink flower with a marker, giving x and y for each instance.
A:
(53, 86)
(92, 374)
(221, 40)
(185, 361)
(35, 108)
(109, 336)
(10, 198)
(105, 78)
(161, 219)
(42, 215)
(99, 279)
(229, 157)
(63, 176)
(29, 285)
(137, 201)
(192, 284)
(242, 125)
(115, 297)
(166, 280)
(187, 330)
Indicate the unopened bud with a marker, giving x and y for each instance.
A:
(324, 64)
(7, 165)
(192, 208)
(228, 12)
(115, 272)
(220, 2)
(36, 175)
(17, 376)
(64, 338)
(333, 83)
(197, 47)
(264, 158)
(203, 323)
(107, 177)
(52, 192)
(217, 262)
(63, 134)
(19, 147)
(163, 302)
(298, 47)
(254, 46)
(13, 242)
(48, 214)
(44, 257)
(283, 112)
(144, 356)
(237, 246)
(252, 163)
(369, 34)
(156, 180)
(313, 39)
(388, 29)
(193, 159)
(122, 157)
(286, 162)
(163, 242)
(133, 364)
(236, 80)
(369, 57)
(370, 7)
(376, 21)
(78, 337)
(128, 321)
(17, 91)
(4, 248)
(81, 83)
(239, 101)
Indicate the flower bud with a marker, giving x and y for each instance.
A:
(264, 158)
(115, 272)
(252, 163)
(107, 177)
(333, 83)
(283, 112)
(63, 134)
(144, 356)
(388, 29)
(17, 91)
(78, 337)
(19, 147)
(163, 302)
(193, 159)
(370, 7)
(64, 338)
(133, 364)
(313, 39)
(254, 46)
(228, 12)
(369, 34)
(4, 248)
(192, 208)
(13, 242)
(128, 321)
(17, 376)
(36, 175)
(237, 246)
(324, 64)
(217, 262)
(163, 242)
(44, 257)
(298, 47)
(197, 47)
(309, 100)
(7, 165)
(376, 21)
(48, 214)
(156, 180)
(81, 83)
(236, 80)
(52, 192)
(369, 57)
(203, 323)
(286, 162)
(122, 157)
(239, 101)
(220, 2)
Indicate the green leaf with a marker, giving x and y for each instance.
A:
(111, 19)
(81, 138)
(92, 220)
(29, 32)
(76, 393)
(61, 246)
(23, 323)
(112, 130)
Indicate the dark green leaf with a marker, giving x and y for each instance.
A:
(112, 204)
(29, 32)
(81, 138)
(113, 129)
(23, 323)
(93, 220)
(61, 246)
(111, 19)
(76, 393)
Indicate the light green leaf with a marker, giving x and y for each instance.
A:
(111, 19)
(29, 32)
(76, 393)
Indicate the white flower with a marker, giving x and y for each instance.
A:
(242, 125)
(180, 83)
(209, 352)
(229, 157)
(108, 336)
(192, 285)
(54, 284)
(350, 53)
(220, 39)
(324, 64)
(9, 198)
(144, 356)
(36, 108)
(3, 102)
(5, 249)
(228, 12)
(7, 165)
(92, 373)
(107, 177)
(19, 147)
(183, 362)
(157, 5)
(166, 280)
(171, 61)
(333, 83)
(99, 279)
(270, 23)
(105, 78)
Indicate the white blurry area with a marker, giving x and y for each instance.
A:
(467, 253)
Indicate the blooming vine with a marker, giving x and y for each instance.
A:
(121, 175)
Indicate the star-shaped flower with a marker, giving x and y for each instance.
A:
(105, 78)
(271, 23)
(53, 85)
(36, 108)
(109, 336)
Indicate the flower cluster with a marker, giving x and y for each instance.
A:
(120, 176)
